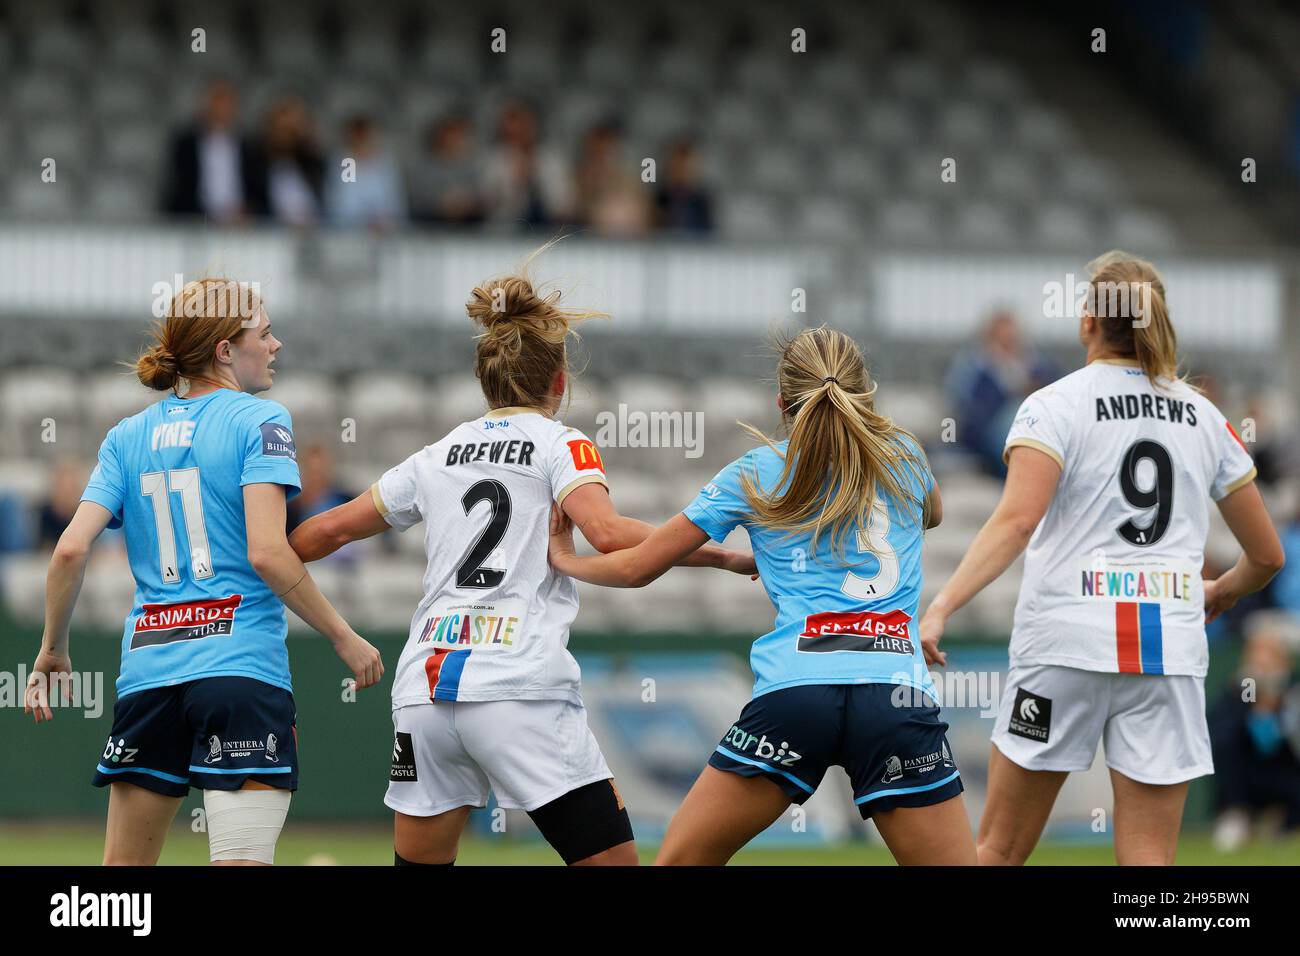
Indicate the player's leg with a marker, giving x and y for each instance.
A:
(775, 754)
(541, 757)
(144, 766)
(722, 813)
(934, 835)
(245, 758)
(138, 820)
(1147, 820)
(244, 825)
(1157, 740)
(1016, 809)
(433, 783)
(428, 841)
(904, 775)
(1048, 726)
(588, 826)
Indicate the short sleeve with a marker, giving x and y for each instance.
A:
(574, 461)
(923, 475)
(721, 505)
(396, 495)
(270, 455)
(1042, 422)
(107, 484)
(1234, 466)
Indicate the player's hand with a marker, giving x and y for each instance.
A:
(50, 670)
(1219, 597)
(740, 562)
(560, 545)
(362, 658)
(932, 625)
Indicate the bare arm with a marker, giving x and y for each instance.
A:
(936, 508)
(62, 587)
(591, 509)
(284, 573)
(1030, 486)
(633, 567)
(328, 531)
(1262, 555)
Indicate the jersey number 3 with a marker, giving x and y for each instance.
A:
(875, 540)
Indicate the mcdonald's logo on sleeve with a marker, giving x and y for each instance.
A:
(585, 454)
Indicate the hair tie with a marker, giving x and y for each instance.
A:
(830, 378)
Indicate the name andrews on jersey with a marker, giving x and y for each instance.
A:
(1124, 407)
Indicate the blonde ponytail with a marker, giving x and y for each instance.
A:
(1127, 296)
(842, 454)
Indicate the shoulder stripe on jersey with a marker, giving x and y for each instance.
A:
(573, 486)
(1032, 443)
(1241, 482)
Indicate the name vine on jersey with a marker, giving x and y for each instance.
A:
(835, 624)
(174, 475)
(494, 620)
(1112, 576)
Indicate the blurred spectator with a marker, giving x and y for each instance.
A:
(1275, 452)
(1256, 740)
(525, 184)
(291, 166)
(67, 480)
(446, 182)
(612, 200)
(211, 166)
(376, 199)
(1284, 590)
(987, 385)
(683, 204)
(15, 525)
(320, 491)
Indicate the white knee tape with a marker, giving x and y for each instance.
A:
(244, 824)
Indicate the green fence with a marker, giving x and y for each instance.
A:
(344, 747)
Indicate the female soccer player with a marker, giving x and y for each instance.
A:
(1114, 465)
(199, 481)
(486, 695)
(839, 679)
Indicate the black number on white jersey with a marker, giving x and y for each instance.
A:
(1160, 496)
(471, 573)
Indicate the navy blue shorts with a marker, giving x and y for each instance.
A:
(895, 756)
(213, 734)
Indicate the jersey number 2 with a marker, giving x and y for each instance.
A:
(155, 486)
(471, 573)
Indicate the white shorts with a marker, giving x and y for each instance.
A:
(528, 752)
(1152, 725)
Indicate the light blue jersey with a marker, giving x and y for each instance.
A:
(173, 476)
(838, 621)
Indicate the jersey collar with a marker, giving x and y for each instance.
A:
(516, 410)
(1130, 363)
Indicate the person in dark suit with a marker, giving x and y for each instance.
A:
(212, 168)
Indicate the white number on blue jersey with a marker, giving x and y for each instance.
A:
(186, 481)
(876, 541)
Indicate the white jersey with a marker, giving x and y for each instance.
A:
(1112, 576)
(494, 622)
